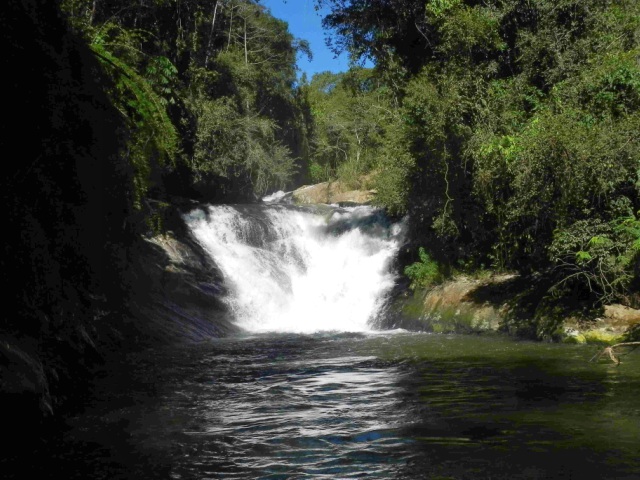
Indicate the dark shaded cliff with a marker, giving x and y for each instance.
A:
(66, 193)
(78, 278)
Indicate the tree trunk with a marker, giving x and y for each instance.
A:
(230, 26)
(246, 56)
(93, 12)
(213, 23)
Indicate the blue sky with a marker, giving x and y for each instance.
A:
(304, 22)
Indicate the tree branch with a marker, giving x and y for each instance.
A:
(610, 352)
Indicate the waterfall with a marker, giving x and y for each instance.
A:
(304, 270)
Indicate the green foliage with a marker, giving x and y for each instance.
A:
(153, 135)
(468, 32)
(598, 256)
(208, 90)
(161, 74)
(439, 8)
(516, 131)
(394, 169)
(249, 129)
(351, 114)
(424, 273)
(318, 173)
(241, 148)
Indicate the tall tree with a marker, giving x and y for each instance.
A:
(221, 73)
(518, 143)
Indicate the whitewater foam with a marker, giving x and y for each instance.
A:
(294, 270)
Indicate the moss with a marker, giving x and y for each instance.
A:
(438, 328)
(454, 319)
(460, 319)
(574, 339)
(602, 337)
(413, 306)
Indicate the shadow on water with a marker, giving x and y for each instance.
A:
(356, 405)
(501, 409)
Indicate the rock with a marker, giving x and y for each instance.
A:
(331, 192)
(571, 335)
(474, 305)
(603, 336)
(179, 293)
(620, 315)
(451, 308)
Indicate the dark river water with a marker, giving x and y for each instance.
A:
(393, 405)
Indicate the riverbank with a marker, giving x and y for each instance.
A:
(507, 303)
(491, 302)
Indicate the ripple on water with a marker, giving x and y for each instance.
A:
(351, 406)
(304, 416)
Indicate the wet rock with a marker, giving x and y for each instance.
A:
(332, 192)
(178, 296)
(476, 305)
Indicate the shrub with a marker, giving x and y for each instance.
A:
(598, 256)
(424, 273)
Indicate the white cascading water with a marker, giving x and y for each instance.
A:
(290, 269)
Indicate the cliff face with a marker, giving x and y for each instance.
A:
(176, 290)
(65, 191)
(77, 279)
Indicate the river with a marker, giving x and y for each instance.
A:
(356, 405)
(312, 390)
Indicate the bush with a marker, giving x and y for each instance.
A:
(424, 273)
(597, 256)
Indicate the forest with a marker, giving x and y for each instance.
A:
(507, 130)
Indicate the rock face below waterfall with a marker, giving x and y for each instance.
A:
(451, 307)
(178, 292)
(332, 192)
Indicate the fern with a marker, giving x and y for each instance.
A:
(153, 135)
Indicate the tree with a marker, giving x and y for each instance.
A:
(351, 114)
(182, 69)
(519, 129)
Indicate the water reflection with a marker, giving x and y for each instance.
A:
(295, 413)
(351, 406)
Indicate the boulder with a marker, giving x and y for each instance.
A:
(332, 192)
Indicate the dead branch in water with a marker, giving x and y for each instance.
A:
(610, 351)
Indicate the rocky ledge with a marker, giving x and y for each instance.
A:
(178, 290)
(332, 192)
(504, 303)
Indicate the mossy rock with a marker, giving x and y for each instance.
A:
(602, 337)
(413, 306)
(577, 339)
